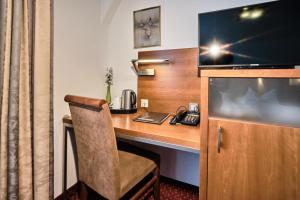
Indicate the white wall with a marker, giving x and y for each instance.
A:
(179, 26)
(83, 48)
(77, 68)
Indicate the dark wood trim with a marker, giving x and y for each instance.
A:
(147, 186)
(85, 101)
(67, 120)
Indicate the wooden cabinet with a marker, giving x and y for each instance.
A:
(255, 161)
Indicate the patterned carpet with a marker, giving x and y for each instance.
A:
(169, 190)
(173, 190)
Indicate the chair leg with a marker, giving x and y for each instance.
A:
(156, 190)
(83, 192)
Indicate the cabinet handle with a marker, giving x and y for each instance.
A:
(219, 140)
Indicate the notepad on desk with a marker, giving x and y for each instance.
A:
(152, 117)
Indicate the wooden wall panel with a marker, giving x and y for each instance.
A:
(174, 84)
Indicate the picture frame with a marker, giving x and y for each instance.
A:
(147, 27)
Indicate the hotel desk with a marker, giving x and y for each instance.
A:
(179, 137)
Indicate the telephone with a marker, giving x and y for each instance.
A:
(186, 118)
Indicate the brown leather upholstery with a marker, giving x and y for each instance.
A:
(102, 167)
(133, 169)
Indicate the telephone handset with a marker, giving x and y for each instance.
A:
(178, 117)
(184, 117)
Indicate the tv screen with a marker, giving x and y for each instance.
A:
(262, 35)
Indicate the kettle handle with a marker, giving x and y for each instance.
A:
(133, 98)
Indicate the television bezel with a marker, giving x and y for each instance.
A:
(241, 66)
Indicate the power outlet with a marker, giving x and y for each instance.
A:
(144, 103)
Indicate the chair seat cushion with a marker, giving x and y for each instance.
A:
(133, 169)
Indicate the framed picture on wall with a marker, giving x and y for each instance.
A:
(146, 29)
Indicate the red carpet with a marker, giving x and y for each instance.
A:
(169, 190)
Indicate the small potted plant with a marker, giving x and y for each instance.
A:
(109, 82)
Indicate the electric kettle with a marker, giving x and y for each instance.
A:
(128, 100)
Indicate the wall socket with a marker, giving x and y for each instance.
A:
(144, 103)
(193, 107)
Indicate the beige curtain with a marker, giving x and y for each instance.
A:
(26, 140)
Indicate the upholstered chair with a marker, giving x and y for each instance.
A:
(103, 168)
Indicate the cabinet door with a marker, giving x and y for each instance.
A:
(255, 162)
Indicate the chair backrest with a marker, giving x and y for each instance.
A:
(96, 145)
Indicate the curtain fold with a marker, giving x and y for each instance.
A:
(26, 140)
(13, 106)
(6, 21)
(2, 32)
(42, 99)
(25, 105)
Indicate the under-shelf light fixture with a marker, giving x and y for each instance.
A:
(146, 72)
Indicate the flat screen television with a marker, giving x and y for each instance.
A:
(264, 35)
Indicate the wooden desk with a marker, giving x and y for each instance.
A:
(180, 137)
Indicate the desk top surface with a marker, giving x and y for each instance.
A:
(181, 135)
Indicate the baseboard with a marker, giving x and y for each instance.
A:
(176, 182)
